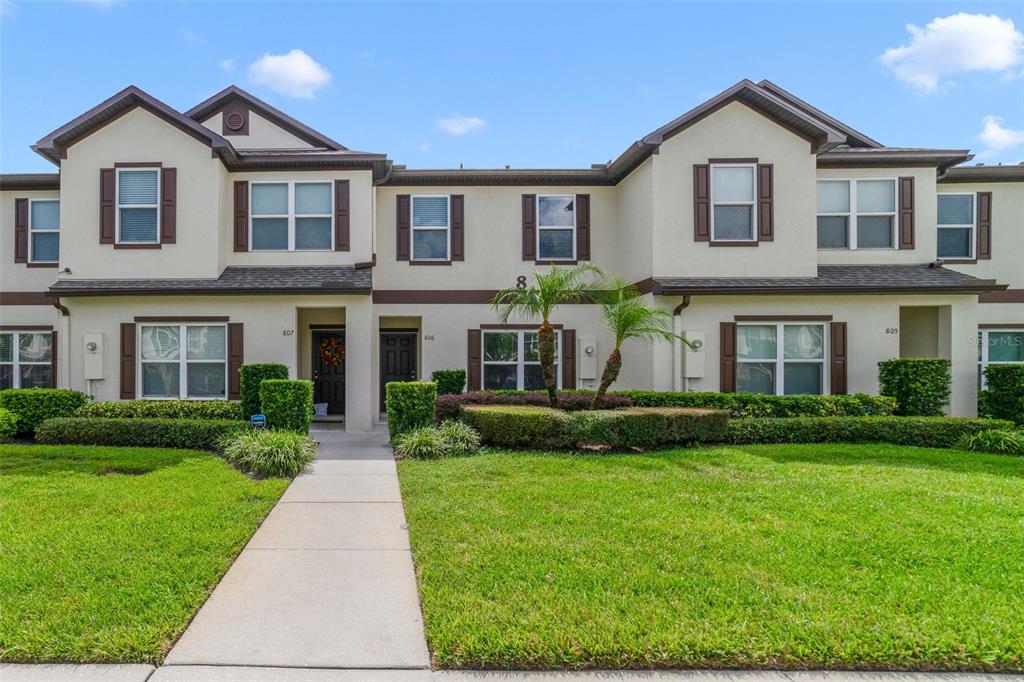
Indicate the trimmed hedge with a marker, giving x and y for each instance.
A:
(250, 377)
(1004, 397)
(192, 434)
(410, 405)
(932, 432)
(34, 405)
(447, 406)
(8, 424)
(920, 385)
(758, 405)
(629, 428)
(162, 409)
(449, 381)
(287, 404)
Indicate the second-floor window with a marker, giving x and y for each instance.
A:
(138, 205)
(733, 218)
(956, 226)
(556, 227)
(856, 214)
(44, 231)
(430, 228)
(183, 360)
(780, 359)
(511, 360)
(292, 216)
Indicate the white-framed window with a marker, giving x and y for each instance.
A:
(857, 214)
(183, 360)
(956, 225)
(556, 227)
(781, 358)
(291, 216)
(26, 359)
(511, 360)
(138, 205)
(44, 231)
(431, 227)
(998, 347)
(733, 202)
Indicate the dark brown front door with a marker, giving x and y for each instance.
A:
(397, 359)
(328, 373)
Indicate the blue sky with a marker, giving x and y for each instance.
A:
(525, 84)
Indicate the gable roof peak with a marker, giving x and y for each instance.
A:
(855, 138)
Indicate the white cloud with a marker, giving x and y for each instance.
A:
(227, 65)
(188, 35)
(294, 74)
(955, 44)
(461, 125)
(998, 138)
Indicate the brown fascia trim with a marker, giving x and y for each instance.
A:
(24, 298)
(996, 325)
(178, 318)
(29, 181)
(960, 261)
(645, 286)
(1004, 296)
(26, 327)
(980, 288)
(427, 296)
(969, 174)
(498, 177)
(208, 292)
(795, 101)
(366, 264)
(885, 158)
(782, 318)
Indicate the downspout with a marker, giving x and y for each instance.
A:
(63, 378)
(678, 383)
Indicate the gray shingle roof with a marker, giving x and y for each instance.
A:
(836, 279)
(310, 279)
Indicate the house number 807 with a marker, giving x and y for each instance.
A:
(287, 332)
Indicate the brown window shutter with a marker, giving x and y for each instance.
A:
(474, 364)
(458, 227)
(108, 205)
(984, 251)
(21, 230)
(765, 212)
(341, 216)
(529, 226)
(241, 215)
(568, 359)
(403, 218)
(583, 226)
(236, 348)
(701, 202)
(837, 366)
(906, 213)
(727, 342)
(168, 205)
(53, 359)
(127, 360)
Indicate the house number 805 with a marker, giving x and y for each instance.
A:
(892, 330)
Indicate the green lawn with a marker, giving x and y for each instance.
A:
(786, 556)
(106, 553)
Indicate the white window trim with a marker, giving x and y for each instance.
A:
(183, 361)
(983, 361)
(520, 362)
(31, 230)
(780, 360)
(973, 225)
(291, 215)
(17, 363)
(433, 228)
(852, 228)
(119, 205)
(540, 227)
(752, 203)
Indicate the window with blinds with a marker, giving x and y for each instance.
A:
(430, 228)
(956, 226)
(138, 205)
(44, 231)
(197, 370)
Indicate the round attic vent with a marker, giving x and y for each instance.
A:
(234, 121)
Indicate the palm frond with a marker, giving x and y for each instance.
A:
(628, 316)
(582, 283)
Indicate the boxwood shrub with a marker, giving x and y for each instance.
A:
(447, 406)
(163, 409)
(932, 432)
(919, 385)
(8, 424)
(287, 404)
(410, 405)
(33, 405)
(250, 377)
(1004, 397)
(542, 427)
(449, 381)
(759, 405)
(193, 434)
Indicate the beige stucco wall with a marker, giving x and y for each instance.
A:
(321, 317)
(1007, 262)
(735, 131)
(634, 226)
(263, 134)
(18, 276)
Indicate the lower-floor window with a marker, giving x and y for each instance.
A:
(780, 359)
(512, 360)
(183, 360)
(26, 360)
(999, 347)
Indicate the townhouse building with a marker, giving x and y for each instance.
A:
(797, 252)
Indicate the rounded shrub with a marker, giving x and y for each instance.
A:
(8, 424)
(269, 453)
(287, 404)
(1004, 397)
(410, 405)
(449, 381)
(920, 385)
(250, 377)
(997, 441)
(35, 405)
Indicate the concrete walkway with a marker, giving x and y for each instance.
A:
(327, 581)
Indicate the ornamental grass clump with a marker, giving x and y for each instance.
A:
(450, 439)
(270, 453)
(996, 441)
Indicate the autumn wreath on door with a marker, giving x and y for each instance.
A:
(332, 351)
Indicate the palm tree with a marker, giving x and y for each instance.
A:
(560, 286)
(628, 316)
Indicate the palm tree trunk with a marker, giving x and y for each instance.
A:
(611, 372)
(546, 341)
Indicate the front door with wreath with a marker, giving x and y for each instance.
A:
(329, 369)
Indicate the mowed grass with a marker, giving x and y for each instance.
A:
(106, 553)
(788, 556)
